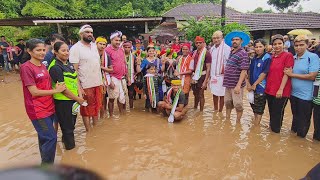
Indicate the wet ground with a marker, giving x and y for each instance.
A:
(140, 145)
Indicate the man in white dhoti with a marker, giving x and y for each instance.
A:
(220, 53)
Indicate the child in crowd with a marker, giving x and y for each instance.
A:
(151, 84)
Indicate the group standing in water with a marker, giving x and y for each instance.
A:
(94, 75)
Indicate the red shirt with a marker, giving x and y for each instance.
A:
(118, 61)
(275, 75)
(37, 107)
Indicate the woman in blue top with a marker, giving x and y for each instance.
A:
(152, 59)
(303, 74)
(258, 71)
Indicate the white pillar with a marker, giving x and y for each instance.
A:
(146, 30)
(59, 28)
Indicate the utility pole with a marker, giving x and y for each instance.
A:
(223, 12)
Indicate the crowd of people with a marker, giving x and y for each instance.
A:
(92, 75)
(11, 55)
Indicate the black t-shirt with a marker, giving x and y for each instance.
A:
(182, 98)
(291, 48)
(22, 47)
(25, 57)
(109, 60)
(56, 71)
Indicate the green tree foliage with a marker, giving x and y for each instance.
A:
(126, 10)
(41, 9)
(80, 8)
(299, 9)
(2, 15)
(10, 8)
(90, 8)
(207, 27)
(14, 33)
(261, 10)
(283, 4)
(55, 8)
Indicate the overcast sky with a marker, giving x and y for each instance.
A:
(250, 5)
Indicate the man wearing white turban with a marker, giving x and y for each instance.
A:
(118, 86)
(86, 60)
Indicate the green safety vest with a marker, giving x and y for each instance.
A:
(70, 80)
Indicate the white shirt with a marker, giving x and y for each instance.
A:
(219, 60)
(219, 55)
(89, 70)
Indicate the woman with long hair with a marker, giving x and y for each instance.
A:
(38, 99)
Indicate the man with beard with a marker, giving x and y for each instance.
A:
(86, 60)
(118, 86)
(235, 72)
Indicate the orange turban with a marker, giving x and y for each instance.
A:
(199, 39)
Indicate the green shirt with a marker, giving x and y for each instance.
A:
(316, 100)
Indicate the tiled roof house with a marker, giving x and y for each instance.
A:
(261, 25)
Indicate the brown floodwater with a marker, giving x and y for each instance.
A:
(141, 145)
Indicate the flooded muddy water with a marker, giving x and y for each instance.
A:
(141, 145)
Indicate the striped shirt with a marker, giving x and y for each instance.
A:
(237, 62)
(316, 100)
(157, 83)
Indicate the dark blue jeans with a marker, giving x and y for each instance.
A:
(301, 115)
(47, 138)
(6, 63)
(316, 122)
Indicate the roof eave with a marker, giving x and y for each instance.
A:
(64, 21)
